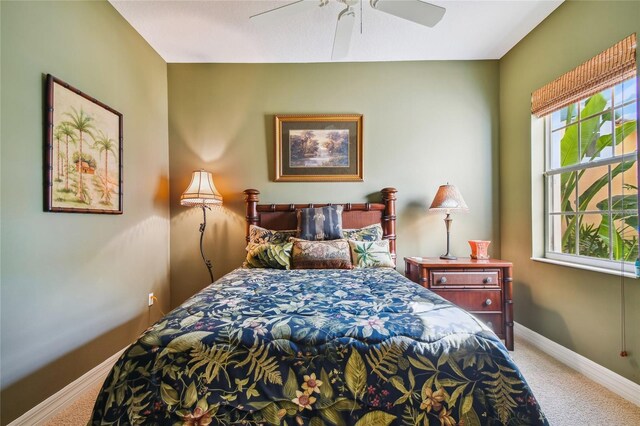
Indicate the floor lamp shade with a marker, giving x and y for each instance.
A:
(201, 190)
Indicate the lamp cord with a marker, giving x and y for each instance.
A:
(203, 226)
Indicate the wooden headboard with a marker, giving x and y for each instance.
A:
(354, 215)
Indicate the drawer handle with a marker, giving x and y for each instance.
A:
(488, 302)
(443, 280)
(487, 280)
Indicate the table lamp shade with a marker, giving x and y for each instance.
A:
(447, 199)
(201, 190)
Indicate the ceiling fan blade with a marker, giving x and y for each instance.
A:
(417, 11)
(344, 28)
(287, 9)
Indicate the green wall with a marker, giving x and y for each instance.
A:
(577, 309)
(74, 286)
(425, 123)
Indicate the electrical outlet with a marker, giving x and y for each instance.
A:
(151, 299)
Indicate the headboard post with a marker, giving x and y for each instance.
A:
(389, 218)
(251, 197)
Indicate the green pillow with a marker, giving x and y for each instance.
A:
(371, 254)
(269, 255)
(368, 233)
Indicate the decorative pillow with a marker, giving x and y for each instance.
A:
(368, 233)
(332, 254)
(268, 255)
(321, 223)
(258, 235)
(371, 254)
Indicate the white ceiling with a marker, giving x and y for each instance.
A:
(220, 30)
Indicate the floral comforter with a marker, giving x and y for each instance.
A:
(317, 347)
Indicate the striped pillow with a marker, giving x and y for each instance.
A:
(321, 223)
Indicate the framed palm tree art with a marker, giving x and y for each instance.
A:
(83, 152)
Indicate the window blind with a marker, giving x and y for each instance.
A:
(606, 69)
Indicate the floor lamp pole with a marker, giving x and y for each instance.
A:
(203, 225)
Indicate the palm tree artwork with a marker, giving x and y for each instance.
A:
(65, 129)
(83, 151)
(105, 145)
(82, 123)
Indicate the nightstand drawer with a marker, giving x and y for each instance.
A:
(474, 300)
(487, 278)
(494, 321)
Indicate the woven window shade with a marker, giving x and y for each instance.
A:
(607, 69)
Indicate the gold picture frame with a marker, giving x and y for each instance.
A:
(318, 148)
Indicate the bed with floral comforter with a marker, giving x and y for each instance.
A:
(317, 347)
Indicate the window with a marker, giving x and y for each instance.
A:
(591, 179)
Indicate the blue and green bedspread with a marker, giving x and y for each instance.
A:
(317, 347)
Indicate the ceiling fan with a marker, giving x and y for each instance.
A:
(417, 11)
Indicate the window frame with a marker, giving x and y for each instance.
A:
(611, 265)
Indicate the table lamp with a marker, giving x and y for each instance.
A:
(201, 192)
(448, 199)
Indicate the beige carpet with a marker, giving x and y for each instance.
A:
(567, 397)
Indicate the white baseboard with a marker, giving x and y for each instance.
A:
(613, 381)
(65, 397)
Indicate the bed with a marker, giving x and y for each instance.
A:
(317, 347)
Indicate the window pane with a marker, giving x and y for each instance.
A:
(566, 115)
(625, 246)
(562, 195)
(596, 140)
(564, 147)
(625, 92)
(595, 104)
(625, 129)
(593, 187)
(624, 186)
(603, 98)
(554, 194)
(562, 234)
(594, 238)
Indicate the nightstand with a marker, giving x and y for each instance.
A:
(482, 287)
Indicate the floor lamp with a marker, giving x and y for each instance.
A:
(201, 192)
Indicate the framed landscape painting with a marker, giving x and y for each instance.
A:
(83, 152)
(318, 148)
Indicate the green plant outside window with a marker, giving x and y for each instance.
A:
(592, 178)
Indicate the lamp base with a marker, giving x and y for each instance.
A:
(448, 257)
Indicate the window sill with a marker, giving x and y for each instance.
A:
(585, 267)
